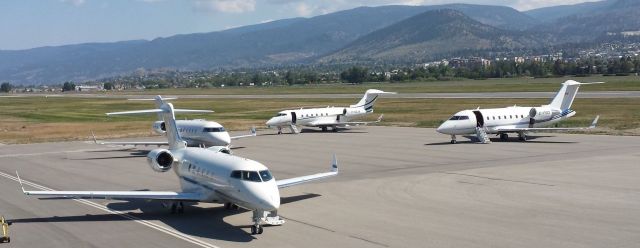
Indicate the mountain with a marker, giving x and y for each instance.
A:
(614, 16)
(549, 14)
(429, 35)
(273, 43)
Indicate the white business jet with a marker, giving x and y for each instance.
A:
(206, 176)
(515, 119)
(332, 117)
(196, 132)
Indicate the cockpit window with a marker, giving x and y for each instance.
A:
(213, 129)
(253, 176)
(458, 117)
(236, 174)
(281, 114)
(266, 175)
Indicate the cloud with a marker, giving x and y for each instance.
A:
(303, 9)
(311, 7)
(226, 6)
(74, 2)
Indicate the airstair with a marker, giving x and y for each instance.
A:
(481, 133)
(294, 129)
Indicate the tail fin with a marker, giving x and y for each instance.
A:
(168, 116)
(369, 98)
(173, 136)
(564, 97)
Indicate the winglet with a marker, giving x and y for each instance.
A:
(20, 181)
(595, 122)
(334, 164)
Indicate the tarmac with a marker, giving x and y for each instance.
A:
(398, 187)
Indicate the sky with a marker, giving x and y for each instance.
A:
(27, 24)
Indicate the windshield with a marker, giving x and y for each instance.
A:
(266, 175)
(213, 129)
(252, 176)
(281, 114)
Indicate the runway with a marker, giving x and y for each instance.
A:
(587, 94)
(398, 187)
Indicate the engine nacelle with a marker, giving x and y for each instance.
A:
(542, 113)
(222, 149)
(159, 127)
(160, 160)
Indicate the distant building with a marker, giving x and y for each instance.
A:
(88, 88)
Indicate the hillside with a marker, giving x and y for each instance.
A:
(613, 16)
(553, 13)
(280, 42)
(429, 35)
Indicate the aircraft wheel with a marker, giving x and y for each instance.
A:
(254, 230)
(180, 207)
(324, 129)
(260, 229)
(335, 129)
(8, 240)
(504, 136)
(453, 141)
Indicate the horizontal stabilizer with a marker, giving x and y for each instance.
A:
(153, 111)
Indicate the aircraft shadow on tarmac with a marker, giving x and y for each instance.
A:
(307, 130)
(530, 140)
(133, 154)
(206, 222)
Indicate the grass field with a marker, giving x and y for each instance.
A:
(614, 83)
(40, 119)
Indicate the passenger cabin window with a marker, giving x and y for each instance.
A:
(213, 129)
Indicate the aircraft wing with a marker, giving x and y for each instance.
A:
(305, 179)
(515, 129)
(253, 134)
(153, 195)
(133, 143)
(345, 123)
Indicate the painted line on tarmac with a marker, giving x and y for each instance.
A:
(54, 152)
(149, 224)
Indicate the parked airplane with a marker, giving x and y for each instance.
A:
(324, 118)
(206, 176)
(515, 119)
(196, 132)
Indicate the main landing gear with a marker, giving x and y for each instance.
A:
(453, 139)
(504, 137)
(324, 128)
(176, 207)
(522, 136)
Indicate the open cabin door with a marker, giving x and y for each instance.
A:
(294, 118)
(479, 118)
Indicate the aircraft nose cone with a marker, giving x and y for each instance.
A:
(445, 128)
(271, 121)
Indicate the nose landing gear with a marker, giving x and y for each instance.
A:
(453, 139)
